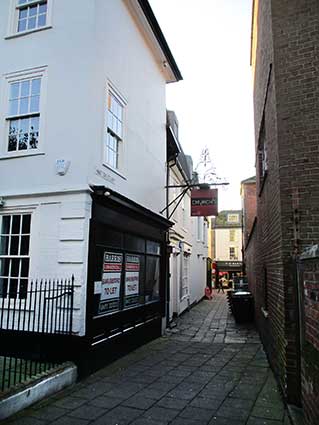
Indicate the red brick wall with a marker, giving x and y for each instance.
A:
(309, 282)
(288, 200)
(268, 256)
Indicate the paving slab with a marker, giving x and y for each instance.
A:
(205, 370)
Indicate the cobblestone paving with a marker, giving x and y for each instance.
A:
(206, 370)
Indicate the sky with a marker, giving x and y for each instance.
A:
(210, 41)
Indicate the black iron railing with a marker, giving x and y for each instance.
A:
(30, 323)
(46, 307)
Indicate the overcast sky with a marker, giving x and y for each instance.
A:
(210, 41)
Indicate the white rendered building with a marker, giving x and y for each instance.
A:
(83, 153)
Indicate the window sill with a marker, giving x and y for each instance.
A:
(264, 312)
(22, 33)
(114, 170)
(20, 155)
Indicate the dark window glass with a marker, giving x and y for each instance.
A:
(153, 247)
(26, 221)
(13, 288)
(3, 287)
(23, 288)
(4, 244)
(152, 279)
(16, 219)
(5, 228)
(14, 247)
(133, 243)
(24, 248)
(24, 267)
(108, 237)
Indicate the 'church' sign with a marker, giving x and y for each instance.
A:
(204, 202)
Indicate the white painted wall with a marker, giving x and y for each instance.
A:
(223, 243)
(89, 44)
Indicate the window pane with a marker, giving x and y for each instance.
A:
(13, 107)
(152, 279)
(15, 266)
(24, 134)
(34, 133)
(16, 221)
(42, 20)
(33, 10)
(35, 86)
(24, 105)
(24, 267)
(25, 88)
(26, 221)
(31, 23)
(153, 247)
(42, 8)
(22, 25)
(4, 244)
(5, 227)
(133, 272)
(14, 246)
(133, 243)
(23, 13)
(3, 287)
(35, 104)
(13, 130)
(13, 288)
(24, 248)
(14, 90)
(4, 267)
(23, 288)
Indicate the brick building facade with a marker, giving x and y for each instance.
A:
(285, 60)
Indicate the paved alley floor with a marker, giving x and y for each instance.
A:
(206, 370)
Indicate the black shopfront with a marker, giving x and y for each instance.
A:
(127, 275)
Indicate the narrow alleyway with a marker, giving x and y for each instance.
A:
(206, 370)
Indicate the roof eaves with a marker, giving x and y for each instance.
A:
(152, 21)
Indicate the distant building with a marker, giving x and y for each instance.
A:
(228, 241)
(188, 237)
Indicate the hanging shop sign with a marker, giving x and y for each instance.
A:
(111, 282)
(132, 278)
(204, 202)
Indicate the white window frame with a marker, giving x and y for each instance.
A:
(40, 72)
(111, 91)
(232, 235)
(235, 256)
(18, 256)
(15, 8)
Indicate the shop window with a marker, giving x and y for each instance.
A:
(133, 243)
(153, 248)
(152, 279)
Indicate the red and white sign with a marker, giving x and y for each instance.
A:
(132, 275)
(204, 202)
(110, 282)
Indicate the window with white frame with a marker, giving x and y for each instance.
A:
(232, 235)
(185, 273)
(31, 14)
(114, 136)
(14, 255)
(233, 254)
(23, 114)
(199, 229)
